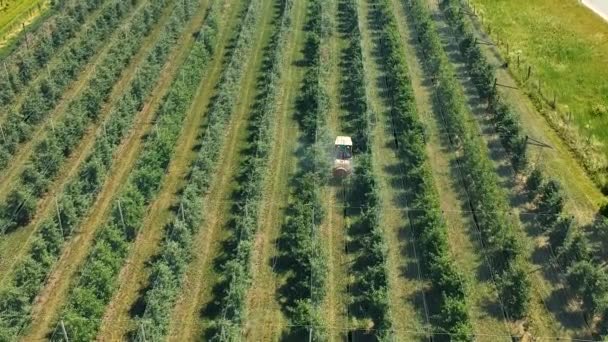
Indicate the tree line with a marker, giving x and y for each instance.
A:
(252, 176)
(301, 256)
(448, 284)
(369, 290)
(79, 194)
(579, 259)
(40, 99)
(486, 200)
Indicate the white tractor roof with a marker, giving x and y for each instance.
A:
(342, 140)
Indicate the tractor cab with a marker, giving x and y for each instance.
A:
(343, 154)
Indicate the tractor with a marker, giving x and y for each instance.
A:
(343, 154)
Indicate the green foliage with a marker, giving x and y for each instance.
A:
(79, 195)
(36, 49)
(487, 200)
(428, 223)
(300, 248)
(41, 98)
(56, 147)
(483, 75)
(514, 286)
(591, 283)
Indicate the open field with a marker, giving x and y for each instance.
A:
(565, 44)
(16, 15)
(168, 172)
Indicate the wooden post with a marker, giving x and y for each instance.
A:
(529, 72)
(518, 61)
(507, 50)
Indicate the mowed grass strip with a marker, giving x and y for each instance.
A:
(333, 228)
(228, 118)
(17, 15)
(266, 320)
(462, 235)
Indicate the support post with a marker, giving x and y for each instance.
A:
(65, 333)
(2, 132)
(529, 72)
(59, 217)
(122, 218)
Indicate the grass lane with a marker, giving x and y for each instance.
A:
(60, 281)
(118, 319)
(188, 320)
(266, 320)
(405, 287)
(463, 238)
(16, 243)
(333, 229)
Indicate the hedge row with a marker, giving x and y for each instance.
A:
(77, 197)
(300, 246)
(55, 34)
(96, 279)
(569, 243)
(369, 292)
(170, 265)
(488, 202)
(50, 153)
(428, 223)
(483, 75)
(253, 174)
(39, 101)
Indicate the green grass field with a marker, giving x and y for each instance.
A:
(566, 45)
(13, 13)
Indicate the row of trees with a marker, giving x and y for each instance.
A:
(22, 66)
(302, 257)
(486, 200)
(369, 291)
(571, 247)
(252, 176)
(483, 75)
(52, 151)
(575, 256)
(77, 197)
(97, 277)
(448, 284)
(169, 266)
(40, 99)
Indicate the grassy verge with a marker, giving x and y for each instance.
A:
(17, 16)
(564, 44)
